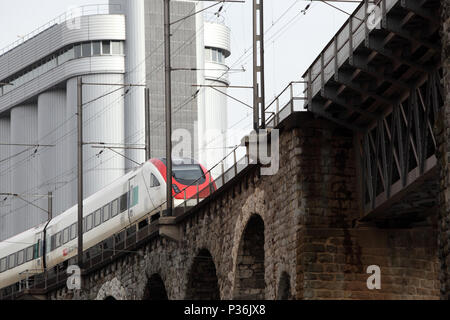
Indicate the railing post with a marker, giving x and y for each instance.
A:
(210, 182)
(235, 162)
(276, 118)
(223, 172)
(185, 204)
(114, 245)
(198, 198)
(292, 97)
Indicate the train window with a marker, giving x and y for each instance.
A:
(124, 202)
(37, 250)
(154, 181)
(53, 242)
(58, 240)
(73, 231)
(3, 265)
(105, 213)
(115, 208)
(20, 257)
(66, 237)
(30, 253)
(134, 197)
(12, 261)
(98, 217)
(89, 222)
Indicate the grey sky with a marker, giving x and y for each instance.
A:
(293, 39)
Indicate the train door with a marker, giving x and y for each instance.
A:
(38, 250)
(133, 197)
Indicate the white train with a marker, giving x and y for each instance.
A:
(121, 204)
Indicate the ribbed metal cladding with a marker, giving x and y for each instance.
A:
(24, 130)
(214, 117)
(5, 179)
(214, 138)
(51, 160)
(184, 47)
(103, 121)
(135, 74)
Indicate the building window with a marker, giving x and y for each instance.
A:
(106, 47)
(96, 48)
(77, 51)
(86, 49)
(117, 47)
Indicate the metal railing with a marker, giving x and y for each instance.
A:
(75, 12)
(290, 100)
(352, 33)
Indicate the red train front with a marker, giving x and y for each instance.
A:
(188, 177)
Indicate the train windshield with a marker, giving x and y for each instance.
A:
(189, 174)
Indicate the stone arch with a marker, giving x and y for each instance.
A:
(284, 287)
(202, 282)
(250, 269)
(155, 289)
(112, 289)
(255, 204)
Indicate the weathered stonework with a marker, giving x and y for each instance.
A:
(293, 235)
(442, 132)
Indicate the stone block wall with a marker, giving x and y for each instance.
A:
(442, 133)
(304, 220)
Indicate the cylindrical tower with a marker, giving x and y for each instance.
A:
(24, 130)
(134, 74)
(102, 123)
(5, 179)
(213, 118)
(51, 164)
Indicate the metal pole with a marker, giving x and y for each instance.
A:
(258, 65)
(147, 124)
(80, 170)
(50, 206)
(168, 87)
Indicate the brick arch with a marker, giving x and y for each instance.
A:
(155, 289)
(202, 280)
(112, 289)
(284, 291)
(249, 274)
(254, 205)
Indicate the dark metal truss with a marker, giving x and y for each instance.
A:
(401, 146)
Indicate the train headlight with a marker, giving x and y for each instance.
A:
(176, 189)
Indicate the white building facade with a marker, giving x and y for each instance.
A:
(109, 48)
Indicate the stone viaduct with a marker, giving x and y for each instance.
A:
(298, 234)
